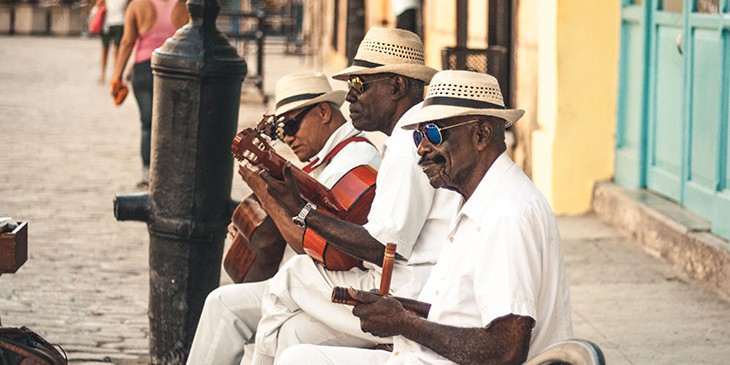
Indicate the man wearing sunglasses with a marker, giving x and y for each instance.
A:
(309, 121)
(386, 81)
(498, 293)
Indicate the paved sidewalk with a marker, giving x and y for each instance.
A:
(66, 150)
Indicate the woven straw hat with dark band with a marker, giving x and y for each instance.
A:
(461, 93)
(389, 50)
(298, 90)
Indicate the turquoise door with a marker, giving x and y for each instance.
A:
(664, 159)
(672, 131)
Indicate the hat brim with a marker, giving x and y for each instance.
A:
(335, 96)
(415, 71)
(437, 112)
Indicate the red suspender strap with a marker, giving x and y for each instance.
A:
(316, 162)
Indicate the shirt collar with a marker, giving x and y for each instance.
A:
(345, 131)
(475, 206)
(398, 135)
(406, 118)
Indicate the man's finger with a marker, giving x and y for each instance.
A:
(363, 296)
(267, 177)
(247, 169)
(286, 173)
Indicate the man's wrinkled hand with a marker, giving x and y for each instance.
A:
(285, 192)
(250, 175)
(380, 315)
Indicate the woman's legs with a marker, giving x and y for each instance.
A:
(142, 86)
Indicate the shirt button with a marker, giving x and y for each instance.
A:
(396, 353)
(437, 292)
(479, 229)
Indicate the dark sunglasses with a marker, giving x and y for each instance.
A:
(432, 132)
(291, 127)
(356, 83)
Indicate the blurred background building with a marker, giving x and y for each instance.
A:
(630, 90)
(635, 92)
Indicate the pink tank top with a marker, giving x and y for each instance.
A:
(159, 33)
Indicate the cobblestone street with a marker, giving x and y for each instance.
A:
(66, 151)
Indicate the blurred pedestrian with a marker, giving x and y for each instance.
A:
(112, 31)
(147, 25)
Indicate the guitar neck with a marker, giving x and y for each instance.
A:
(309, 188)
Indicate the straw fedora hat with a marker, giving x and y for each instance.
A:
(298, 90)
(460, 93)
(389, 50)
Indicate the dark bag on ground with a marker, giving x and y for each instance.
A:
(22, 346)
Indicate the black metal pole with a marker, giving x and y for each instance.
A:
(197, 87)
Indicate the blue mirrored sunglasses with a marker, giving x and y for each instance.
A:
(432, 132)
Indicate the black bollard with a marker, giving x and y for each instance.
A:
(197, 88)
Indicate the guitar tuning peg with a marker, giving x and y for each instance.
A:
(259, 143)
(249, 156)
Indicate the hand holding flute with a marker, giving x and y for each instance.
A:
(354, 297)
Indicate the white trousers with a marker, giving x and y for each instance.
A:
(229, 319)
(304, 287)
(328, 355)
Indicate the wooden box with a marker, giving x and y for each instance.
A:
(14, 248)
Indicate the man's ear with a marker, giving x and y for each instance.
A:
(324, 110)
(400, 87)
(483, 135)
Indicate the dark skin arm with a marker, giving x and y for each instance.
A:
(349, 237)
(506, 340)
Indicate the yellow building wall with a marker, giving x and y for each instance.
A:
(542, 132)
(566, 78)
(526, 42)
(575, 141)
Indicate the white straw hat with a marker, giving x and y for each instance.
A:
(389, 50)
(460, 93)
(298, 90)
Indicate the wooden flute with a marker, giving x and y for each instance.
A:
(342, 295)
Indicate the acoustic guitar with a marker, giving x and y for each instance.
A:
(257, 246)
(349, 199)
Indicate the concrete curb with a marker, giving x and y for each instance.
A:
(666, 230)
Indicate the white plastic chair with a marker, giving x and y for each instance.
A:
(570, 352)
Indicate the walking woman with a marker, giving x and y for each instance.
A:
(112, 31)
(147, 25)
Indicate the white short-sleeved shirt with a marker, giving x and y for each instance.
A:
(408, 211)
(503, 256)
(352, 155)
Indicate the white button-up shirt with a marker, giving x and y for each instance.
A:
(352, 155)
(408, 211)
(503, 256)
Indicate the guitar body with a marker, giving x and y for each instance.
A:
(349, 198)
(239, 258)
(258, 246)
(355, 192)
